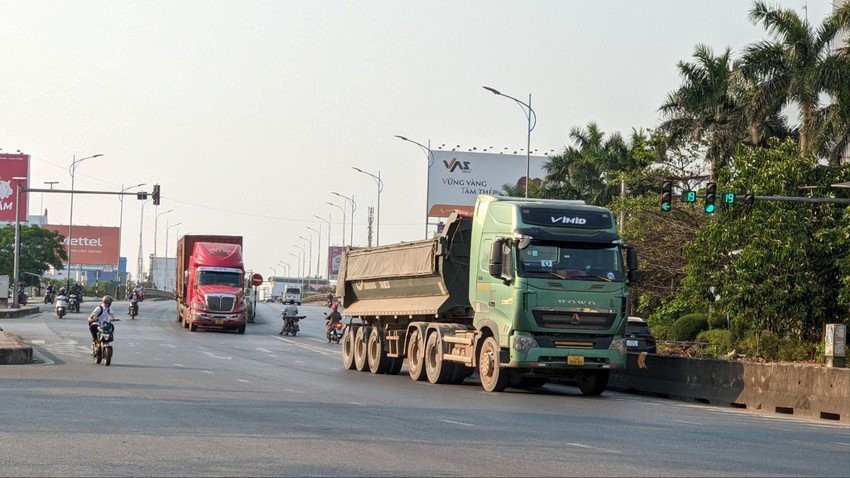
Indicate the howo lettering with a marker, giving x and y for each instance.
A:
(507, 293)
(210, 282)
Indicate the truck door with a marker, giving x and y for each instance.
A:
(483, 282)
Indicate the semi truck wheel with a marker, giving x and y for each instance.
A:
(375, 353)
(360, 362)
(348, 349)
(437, 370)
(592, 382)
(416, 357)
(493, 377)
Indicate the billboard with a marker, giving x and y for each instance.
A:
(13, 165)
(455, 178)
(334, 258)
(90, 245)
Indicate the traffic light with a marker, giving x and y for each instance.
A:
(749, 199)
(666, 196)
(155, 194)
(689, 196)
(710, 197)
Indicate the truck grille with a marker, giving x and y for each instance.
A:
(564, 319)
(220, 303)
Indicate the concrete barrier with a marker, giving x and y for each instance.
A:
(13, 351)
(806, 390)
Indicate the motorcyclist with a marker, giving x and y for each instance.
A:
(330, 298)
(289, 311)
(134, 302)
(62, 299)
(48, 292)
(101, 315)
(333, 318)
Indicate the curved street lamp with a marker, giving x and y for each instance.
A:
(72, 171)
(353, 208)
(309, 255)
(380, 188)
(121, 220)
(155, 221)
(430, 155)
(532, 122)
(318, 247)
(343, 223)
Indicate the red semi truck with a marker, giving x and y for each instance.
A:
(210, 282)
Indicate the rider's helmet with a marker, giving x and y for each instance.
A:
(107, 299)
(291, 301)
(62, 291)
(334, 307)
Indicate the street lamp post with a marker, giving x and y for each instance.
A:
(16, 273)
(72, 170)
(167, 228)
(328, 220)
(140, 262)
(153, 263)
(343, 223)
(297, 264)
(308, 257)
(285, 268)
(353, 208)
(428, 152)
(380, 188)
(49, 183)
(318, 248)
(532, 122)
(121, 218)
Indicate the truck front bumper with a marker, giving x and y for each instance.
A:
(226, 321)
(568, 358)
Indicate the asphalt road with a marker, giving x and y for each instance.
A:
(213, 403)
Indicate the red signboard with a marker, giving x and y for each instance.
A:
(12, 166)
(90, 245)
(334, 258)
(256, 280)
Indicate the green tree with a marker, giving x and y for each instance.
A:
(40, 250)
(793, 69)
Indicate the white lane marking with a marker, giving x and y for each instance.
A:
(223, 357)
(37, 341)
(292, 390)
(263, 350)
(243, 381)
(210, 372)
(179, 365)
(582, 445)
(458, 423)
(312, 348)
(171, 346)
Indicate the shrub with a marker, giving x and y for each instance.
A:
(795, 350)
(764, 344)
(718, 342)
(687, 327)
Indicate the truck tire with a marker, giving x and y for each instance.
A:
(193, 327)
(592, 382)
(416, 357)
(493, 377)
(348, 349)
(394, 366)
(437, 370)
(375, 353)
(360, 362)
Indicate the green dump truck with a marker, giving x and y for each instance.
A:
(524, 291)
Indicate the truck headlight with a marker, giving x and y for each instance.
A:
(524, 343)
(620, 346)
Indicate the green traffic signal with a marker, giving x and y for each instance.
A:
(710, 197)
(728, 198)
(666, 196)
(709, 208)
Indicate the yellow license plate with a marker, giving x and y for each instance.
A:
(219, 321)
(575, 360)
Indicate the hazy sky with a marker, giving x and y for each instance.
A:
(249, 113)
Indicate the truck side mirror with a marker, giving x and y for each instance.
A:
(495, 266)
(632, 262)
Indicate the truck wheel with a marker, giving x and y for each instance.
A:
(240, 330)
(416, 357)
(348, 349)
(360, 362)
(437, 370)
(375, 353)
(185, 324)
(394, 366)
(592, 382)
(493, 378)
(193, 327)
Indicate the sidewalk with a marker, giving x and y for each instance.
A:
(14, 351)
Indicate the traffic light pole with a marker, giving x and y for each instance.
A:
(798, 199)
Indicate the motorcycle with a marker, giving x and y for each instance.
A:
(61, 306)
(290, 324)
(335, 332)
(73, 303)
(22, 297)
(133, 309)
(101, 349)
(49, 297)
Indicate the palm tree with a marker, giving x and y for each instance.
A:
(792, 69)
(705, 108)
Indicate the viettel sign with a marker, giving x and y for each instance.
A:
(90, 245)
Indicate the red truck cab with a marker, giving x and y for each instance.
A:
(211, 283)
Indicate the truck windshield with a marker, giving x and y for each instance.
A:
(601, 262)
(220, 278)
(292, 291)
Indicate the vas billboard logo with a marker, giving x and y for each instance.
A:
(455, 164)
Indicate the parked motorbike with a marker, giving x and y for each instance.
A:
(133, 309)
(73, 303)
(22, 297)
(335, 332)
(290, 324)
(61, 306)
(49, 297)
(101, 349)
